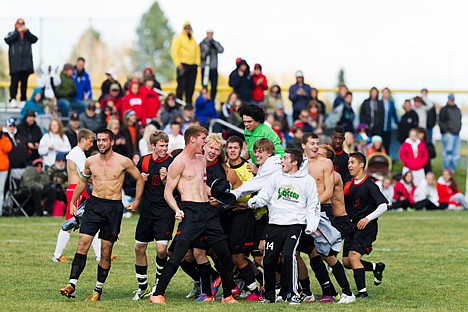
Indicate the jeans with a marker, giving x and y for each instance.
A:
(3, 178)
(450, 150)
(65, 105)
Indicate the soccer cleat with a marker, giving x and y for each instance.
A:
(307, 298)
(265, 300)
(158, 299)
(113, 257)
(205, 298)
(347, 299)
(279, 299)
(236, 292)
(215, 286)
(362, 295)
(59, 259)
(295, 300)
(229, 300)
(253, 297)
(378, 273)
(139, 293)
(95, 296)
(195, 292)
(68, 291)
(325, 299)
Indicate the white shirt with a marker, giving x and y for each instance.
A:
(78, 157)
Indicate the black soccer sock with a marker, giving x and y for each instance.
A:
(360, 279)
(159, 267)
(171, 266)
(340, 275)
(101, 278)
(78, 265)
(321, 273)
(368, 266)
(259, 277)
(205, 278)
(191, 269)
(213, 273)
(247, 274)
(142, 276)
(305, 285)
(225, 264)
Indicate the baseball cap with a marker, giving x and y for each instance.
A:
(30, 113)
(75, 117)
(37, 161)
(129, 113)
(92, 106)
(60, 156)
(299, 73)
(11, 122)
(112, 72)
(280, 106)
(67, 66)
(114, 86)
(451, 97)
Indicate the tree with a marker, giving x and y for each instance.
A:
(341, 78)
(153, 46)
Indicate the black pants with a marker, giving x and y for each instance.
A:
(281, 239)
(15, 79)
(47, 193)
(213, 80)
(387, 140)
(401, 204)
(425, 203)
(186, 82)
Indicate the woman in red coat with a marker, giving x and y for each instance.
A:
(414, 156)
(403, 192)
(449, 194)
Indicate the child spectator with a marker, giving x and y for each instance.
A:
(133, 100)
(376, 146)
(151, 104)
(53, 142)
(403, 193)
(426, 196)
(387, 188)
(449, 194)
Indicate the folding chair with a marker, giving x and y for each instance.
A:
(16, 198)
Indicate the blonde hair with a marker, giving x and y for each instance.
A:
(149, 129)
(112, 123)
(216, 138)
(60, 130)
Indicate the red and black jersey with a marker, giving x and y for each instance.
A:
(152, 204)
(340, 165)
(362, 198)
(214, 171)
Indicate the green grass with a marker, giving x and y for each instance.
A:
(425, 253)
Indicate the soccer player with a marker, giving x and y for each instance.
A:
(75, 166)
(157, 219)
(364, 204)
(103, 211)
(293, 204)
(340, 162)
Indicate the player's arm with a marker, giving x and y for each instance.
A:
(85, 175)
(379, 200)
(264, 196)
(174, 173)
(232, 177)
(328, 182)
(313, 208)
(135, 173)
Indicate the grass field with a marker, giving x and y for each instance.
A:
(426, 255)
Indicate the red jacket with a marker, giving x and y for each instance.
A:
(445, 191)
(151, 103)
(407, 157)
(133, 101)
(5, 148)
(258, 92)
(399, 190)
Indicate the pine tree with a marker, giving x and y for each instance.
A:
(341, 78)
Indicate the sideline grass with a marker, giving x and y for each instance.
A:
(425, 253)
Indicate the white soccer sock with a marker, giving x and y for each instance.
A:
(62, 241)
(373, 266)
(96, 243)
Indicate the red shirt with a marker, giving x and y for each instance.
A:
(257, 93)
(151, 103)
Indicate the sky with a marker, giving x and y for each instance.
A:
(397, 44)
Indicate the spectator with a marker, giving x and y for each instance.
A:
(321, 106)
(340, 99)
(66, 93)
(131, 131)
(362, 139)
(48, 81)
(409, 120)
(414, 156)
(113, 99)
(120, 144)
(20, 59)
(53, 142)
(176, 139)
(235, 119)
(449, 194)
(403, 197)
(376, 146)
(209, 49)
(148, 73)
(431, 150)
(431, 113)
(304, 121)
(31, 133)
(273, 98)
(34, 104)
(422, 110)
(260, 85)
(150, 97)
(450, 125)
(58, 177)
(5, 148)
(111, 78)
(185, 54)
(133, 100)
(38, 182)
(387, 189)
(317, 118)
(372, 113)
(296, 141)
(72, 130)
(349, 145)
(425, 196)
(82, 81)
(228, 107)
(390, 117)
(241, 81)
(345, 113)
(169, 110)
(144, 145)
(280, 115)
(189, 114)
(18, 156)
(89, 119)
(205, 108)
(253, 117)
(299, 95)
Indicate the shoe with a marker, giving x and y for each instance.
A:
(13, 103)
(265, 300)
(205, 298)
(158, 299)
(113, 257)
(325, 299)
(95, 296)
(215, 286)
(59, 259)
(229, 300)
(127, 215)
(139, 293)
(253, 297)
(236, 292)
(68, 291)
(277, 288)
(307, 298)
(195, 292)
(362, 295)
(378, 273)
(347, 299)
(295, 300)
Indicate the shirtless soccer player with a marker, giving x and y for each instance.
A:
(103, 210)
(196, 216)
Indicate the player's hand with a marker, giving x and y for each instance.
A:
(362, 223)
(179, 215)
(72, 208)
(145, 176)
(163, 173)
(212, 200)
(133, 206)
(252, 168)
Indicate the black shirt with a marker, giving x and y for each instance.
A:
(214, 171)
(363, 198)
(340, 165)
(152, 204)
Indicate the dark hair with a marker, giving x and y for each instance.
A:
(308, 135)
(359, 157)
(418, 99)
(338, 129)
(256, 112)
(370, 92)
(109, 133)
(174, 123)
(386, 89)
(424, 132)
(80, 58)
(235, 139)
(296, 155)
(349, 93)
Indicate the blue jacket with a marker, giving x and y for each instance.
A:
(83, 85)
(391, 115)
(32, 105)
(205, 110)
(299, 102)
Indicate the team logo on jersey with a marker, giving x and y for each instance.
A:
(287, 193)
